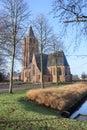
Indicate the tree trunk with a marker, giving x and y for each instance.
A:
(41, 75)
(56, 72)
(11, 70)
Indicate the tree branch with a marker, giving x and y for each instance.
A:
(71, 21)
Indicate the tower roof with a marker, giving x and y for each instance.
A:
(31, 33)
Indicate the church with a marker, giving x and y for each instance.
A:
(31, 65)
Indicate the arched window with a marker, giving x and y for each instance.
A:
(51, 71)
(33, 70)
(29, 74)
(59, 71)
(54, 71)
(66, 71)
(25, 74)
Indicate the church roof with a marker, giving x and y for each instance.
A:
(44, 61)
(49, 60)
(61, 59)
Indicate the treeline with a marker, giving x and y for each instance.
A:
(3, 77)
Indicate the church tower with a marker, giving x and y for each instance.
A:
(29, 46)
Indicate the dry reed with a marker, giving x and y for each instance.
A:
(57, 98)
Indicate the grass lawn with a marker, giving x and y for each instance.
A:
(17, 113)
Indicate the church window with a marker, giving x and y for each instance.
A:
(25, 74)
(30, 40)
(54, 71)
(33, 70)
(49, 79)
(65, 71)
(51, 70)
(59, 71)
(29, 74)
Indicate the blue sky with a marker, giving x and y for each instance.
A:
(40, 6)
(78, 64)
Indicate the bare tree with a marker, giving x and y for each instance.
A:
(2, 63)
(56, 46)
(13, 18)
(43, 33)
(73, 12)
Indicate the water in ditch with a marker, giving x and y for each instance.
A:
(82, 110)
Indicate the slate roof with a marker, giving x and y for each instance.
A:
(49, 60)
(61, 59)
(44, 61)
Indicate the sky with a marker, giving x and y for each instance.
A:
(78, 64)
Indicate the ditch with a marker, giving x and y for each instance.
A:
(77, 110)
(81, 112)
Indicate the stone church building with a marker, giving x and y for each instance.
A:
(31, 67)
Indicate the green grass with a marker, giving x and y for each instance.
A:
(17, 113)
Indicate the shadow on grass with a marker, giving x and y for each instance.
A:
(29, 105)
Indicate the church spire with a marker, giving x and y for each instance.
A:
(31, 33)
